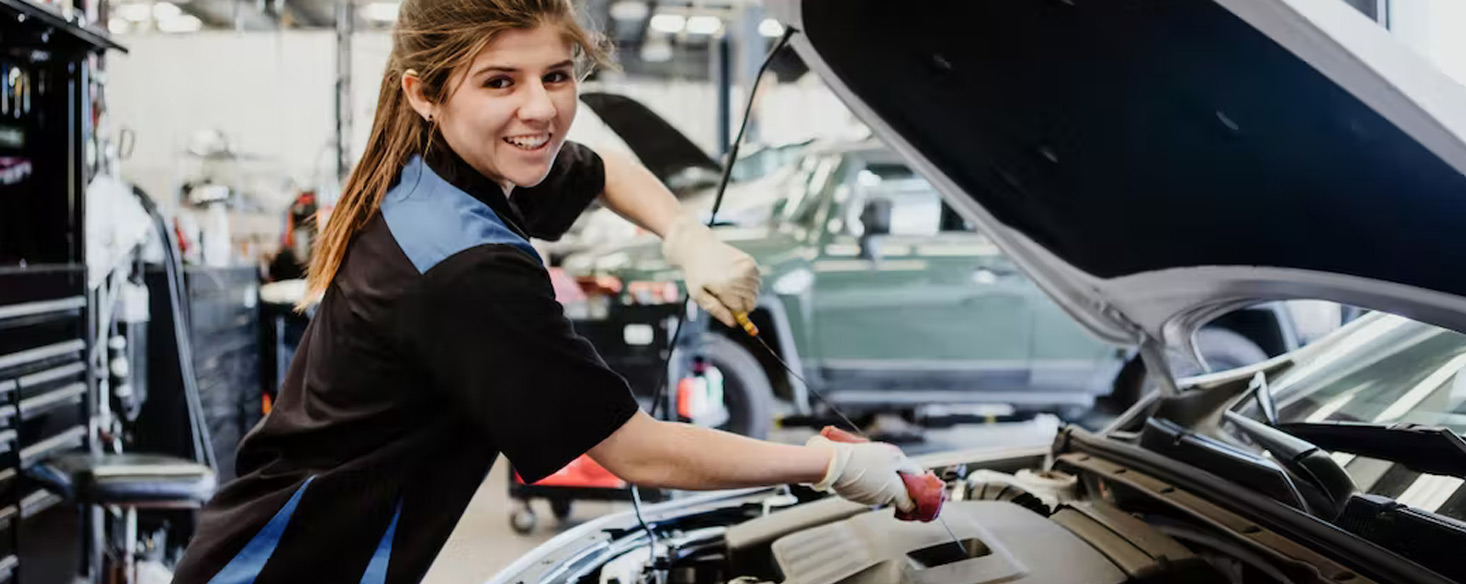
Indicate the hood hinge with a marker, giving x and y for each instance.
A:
(1158, 365)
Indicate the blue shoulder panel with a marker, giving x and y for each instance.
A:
(431, 219)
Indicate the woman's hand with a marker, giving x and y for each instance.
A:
(723, 280)
(867, 472)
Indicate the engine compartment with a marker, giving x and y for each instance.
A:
(1062, 526)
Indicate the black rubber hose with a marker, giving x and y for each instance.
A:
(203, 444)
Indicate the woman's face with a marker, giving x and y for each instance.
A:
(508, 117)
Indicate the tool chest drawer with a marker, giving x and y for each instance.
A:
(27, 289)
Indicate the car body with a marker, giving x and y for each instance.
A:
(690, 173)
(926, 312)
(1341, 157)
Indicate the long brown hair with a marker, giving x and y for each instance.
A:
(437, 39)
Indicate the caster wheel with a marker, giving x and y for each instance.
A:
(561, 509)
(523, 521)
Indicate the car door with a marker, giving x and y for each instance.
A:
(929, 308)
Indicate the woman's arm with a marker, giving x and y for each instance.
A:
(682, 456)
(722, 279)
(634, 193)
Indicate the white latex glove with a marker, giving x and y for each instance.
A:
(722, 279)
(866, 472)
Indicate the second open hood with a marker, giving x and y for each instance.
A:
(1155, 163)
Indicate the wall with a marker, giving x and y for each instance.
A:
(272, 95)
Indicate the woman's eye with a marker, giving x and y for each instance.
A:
(498, 83)
(557, 77)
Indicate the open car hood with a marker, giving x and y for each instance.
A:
(1153, 164)
(662, 148)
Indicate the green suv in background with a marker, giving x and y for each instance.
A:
(885, 300)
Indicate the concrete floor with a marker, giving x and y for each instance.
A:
(484, 543)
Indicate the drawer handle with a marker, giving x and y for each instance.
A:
(40, 353)
(41, 307)
(53, 374)
(34, 503)
(33, 406)
(69, 439)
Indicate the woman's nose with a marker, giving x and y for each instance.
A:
(537, 106)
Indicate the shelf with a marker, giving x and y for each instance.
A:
(44, 16)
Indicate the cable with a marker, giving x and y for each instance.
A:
(203, 443)
(732, 158)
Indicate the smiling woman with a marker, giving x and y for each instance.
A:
(438, 343)
(507, 117)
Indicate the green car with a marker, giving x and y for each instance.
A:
(883, 299)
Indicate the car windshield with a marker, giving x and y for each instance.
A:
(1384, 369)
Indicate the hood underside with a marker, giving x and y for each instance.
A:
(662, 148)
(1154, 163)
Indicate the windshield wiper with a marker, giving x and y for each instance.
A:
(1425, 449)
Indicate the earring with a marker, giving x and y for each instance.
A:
(430, 117)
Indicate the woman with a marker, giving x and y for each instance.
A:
(438, 343)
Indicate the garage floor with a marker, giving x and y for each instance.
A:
(483, 543)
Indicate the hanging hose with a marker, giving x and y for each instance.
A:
(203, 443)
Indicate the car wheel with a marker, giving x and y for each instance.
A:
(747, 393)
(1222, 349)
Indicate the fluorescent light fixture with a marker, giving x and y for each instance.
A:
(166, 11)
(629, 10)
(704, 25)
(656, 52)
(135, 12)
(770, 28)
(118, 25)
(382, 11)
(181, 24)
(668, 23)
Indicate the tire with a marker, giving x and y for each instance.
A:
(747, 393)
(1223, 350)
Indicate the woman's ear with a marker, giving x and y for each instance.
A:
(412, 87)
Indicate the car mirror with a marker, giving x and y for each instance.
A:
(876, 219)
(876, 216)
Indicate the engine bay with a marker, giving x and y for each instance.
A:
(1080, 522)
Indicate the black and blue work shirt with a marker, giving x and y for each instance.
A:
(438, 345)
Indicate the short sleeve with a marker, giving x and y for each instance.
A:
(575, 180)
(496, 343)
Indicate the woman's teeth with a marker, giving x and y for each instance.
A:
(534, 142)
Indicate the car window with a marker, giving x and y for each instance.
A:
(1386, 369)
(805, 195)
(916, 207)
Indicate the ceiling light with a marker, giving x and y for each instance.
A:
(118, 25)
(654, 51)
(668, 23)
(135, 12)
(704, 25)
(770, 28)
(382, 11)
(181, 24)
(166, 11)
(632, 10)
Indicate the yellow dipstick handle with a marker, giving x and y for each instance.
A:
(748, 326)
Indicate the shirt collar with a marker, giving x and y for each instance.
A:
(457, 172)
